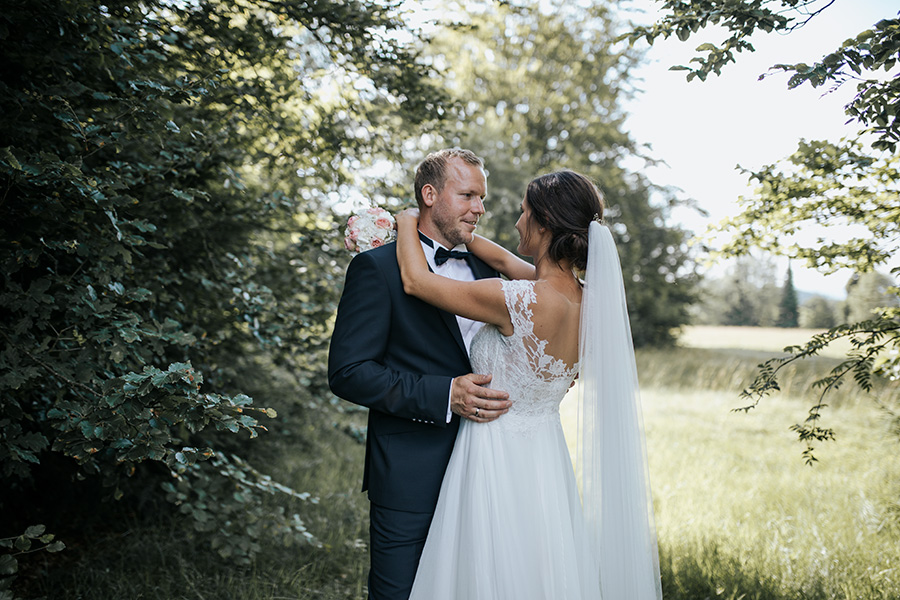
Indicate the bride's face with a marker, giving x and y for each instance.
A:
(527, 229)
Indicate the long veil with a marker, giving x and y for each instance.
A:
(611, 459)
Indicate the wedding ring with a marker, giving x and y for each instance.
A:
(476, 411)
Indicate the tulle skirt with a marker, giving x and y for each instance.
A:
(508, 523)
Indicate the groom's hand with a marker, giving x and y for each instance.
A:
(471, 400)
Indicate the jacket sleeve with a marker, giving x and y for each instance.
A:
(357, 370)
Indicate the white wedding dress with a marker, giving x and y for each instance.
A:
(509, 522)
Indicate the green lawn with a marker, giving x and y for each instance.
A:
(740, 515)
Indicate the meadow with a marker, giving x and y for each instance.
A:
(740, 515)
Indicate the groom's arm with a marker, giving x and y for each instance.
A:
(356, 370)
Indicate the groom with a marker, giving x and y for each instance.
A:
(408, 363)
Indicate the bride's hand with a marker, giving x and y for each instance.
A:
(409, 214)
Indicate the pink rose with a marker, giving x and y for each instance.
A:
(354, 234)
(349, 244)
(376, 242)
(384, 223)
(375, 211)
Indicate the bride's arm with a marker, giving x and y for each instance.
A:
(500, 259)
(480, 300)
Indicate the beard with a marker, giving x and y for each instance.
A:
(450, 227)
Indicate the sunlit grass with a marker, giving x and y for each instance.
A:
(739, 512)
(769, 339)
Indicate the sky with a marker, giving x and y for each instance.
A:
(702, 130)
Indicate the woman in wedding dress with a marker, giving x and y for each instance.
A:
(514, 520)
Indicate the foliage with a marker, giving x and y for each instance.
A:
(824, 187)
(817, 313)
(869, 339)
(164, 189)
(540, 88)
(867, 293)
(745, 295)
(839, 192)
(788, 315)
(859, 58)
(20, 545)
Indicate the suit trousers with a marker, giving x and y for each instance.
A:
(396, 540)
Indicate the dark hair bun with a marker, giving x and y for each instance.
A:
(565, 202)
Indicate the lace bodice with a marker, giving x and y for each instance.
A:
(536, 381)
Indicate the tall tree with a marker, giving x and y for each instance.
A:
(868, 294)
(788, 312)
(540, 87)
(824, 184)
(743, 296)
(165, 237)
(817, 313)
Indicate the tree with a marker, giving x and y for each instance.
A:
(743, 296)
(539, 88)
(817, 313)
(166, 236)
(788, 314)
(867, 294)
(824, 184)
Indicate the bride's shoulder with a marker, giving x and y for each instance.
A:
(550, 297)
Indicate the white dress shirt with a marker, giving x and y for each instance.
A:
(458, 269)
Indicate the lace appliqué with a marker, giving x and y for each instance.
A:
(536, 381)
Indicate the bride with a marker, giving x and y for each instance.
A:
(513, 520)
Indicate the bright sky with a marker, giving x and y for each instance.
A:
(702, 130)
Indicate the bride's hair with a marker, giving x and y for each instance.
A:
(565, 202)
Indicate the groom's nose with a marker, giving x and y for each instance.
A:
(478, 206)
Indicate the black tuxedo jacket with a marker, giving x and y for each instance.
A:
(396, 355)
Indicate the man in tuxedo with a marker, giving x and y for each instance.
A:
(408, 363)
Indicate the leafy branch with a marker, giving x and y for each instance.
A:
(877, 49)
(869, 340)
(11, 547)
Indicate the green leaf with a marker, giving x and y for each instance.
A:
(35, 531)
(8, 565)
(9, 157)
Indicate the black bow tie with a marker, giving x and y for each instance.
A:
(442, 255)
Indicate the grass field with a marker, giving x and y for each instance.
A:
(769, 339)
(739, 514)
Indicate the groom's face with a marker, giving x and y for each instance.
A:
(456, 208)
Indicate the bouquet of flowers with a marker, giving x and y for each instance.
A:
(369, 229)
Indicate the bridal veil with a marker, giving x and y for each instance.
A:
(611, 459)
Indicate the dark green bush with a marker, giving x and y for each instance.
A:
(165, 239)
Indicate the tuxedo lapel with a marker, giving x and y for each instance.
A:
(480, 268)
(453, 326)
